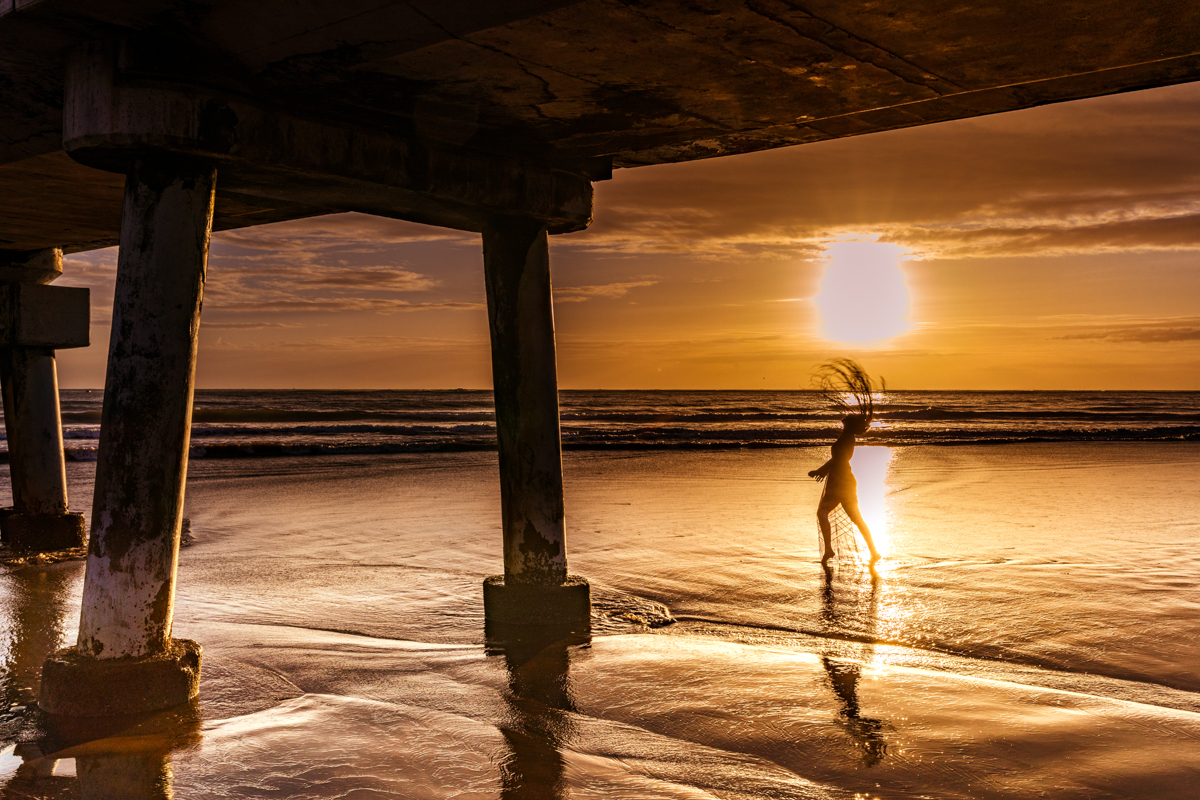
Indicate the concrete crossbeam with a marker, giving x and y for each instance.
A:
(55, 317)
(109, 117)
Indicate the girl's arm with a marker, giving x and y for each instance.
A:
(821, 472)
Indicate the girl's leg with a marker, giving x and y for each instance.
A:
(851, 507)
(823, 510)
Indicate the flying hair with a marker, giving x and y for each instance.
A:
(847, 386)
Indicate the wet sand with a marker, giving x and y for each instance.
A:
(1033, 633)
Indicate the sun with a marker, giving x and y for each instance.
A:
(863, 298)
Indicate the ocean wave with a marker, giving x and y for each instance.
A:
(1125, 415)
(202, 431)
(267, 415)
(247, 424)
(271, 422)
(660, 440)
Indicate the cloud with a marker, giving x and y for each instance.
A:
(326, 305)
(349, 230)
(362, 346)
(579, 294)
(247, 326)
(1162, 331)
(397, 280)
(1113, 174)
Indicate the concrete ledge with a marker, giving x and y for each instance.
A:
(32, 315)
(567, 604)
(42, 533)
(32, 266)
(77, 686)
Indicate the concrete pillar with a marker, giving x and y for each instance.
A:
(125, 659)
(535, 587)
(34, 430)
(39, 519)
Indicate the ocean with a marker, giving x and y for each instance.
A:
(230, 424)
(1033, 629)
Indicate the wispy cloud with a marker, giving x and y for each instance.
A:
(359, 304)
(1158, 331)
(397, 280)
(247, 326)
(579, 294)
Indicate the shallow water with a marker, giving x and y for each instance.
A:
(1032, 632)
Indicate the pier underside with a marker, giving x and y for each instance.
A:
(464, 93)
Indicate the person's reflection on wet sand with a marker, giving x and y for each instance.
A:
(95, 759)
(539, 704)
(845, 668)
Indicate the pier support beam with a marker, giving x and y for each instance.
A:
(36, 319)
(535, 588)
(125, 660)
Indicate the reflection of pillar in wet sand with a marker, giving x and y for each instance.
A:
(125, 776)
(38, 608)
(126, 660)
(111, 758)
(538, 724)
(535, 587)
(35, 320)
(95, 759)
(89, 773)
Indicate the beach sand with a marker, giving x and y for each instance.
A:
(1033, 632)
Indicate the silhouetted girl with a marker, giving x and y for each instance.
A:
(845, 384)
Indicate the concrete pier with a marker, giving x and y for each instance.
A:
(535, 587)
(36, 320)
(125, 660)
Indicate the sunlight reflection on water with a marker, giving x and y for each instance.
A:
(872, 466)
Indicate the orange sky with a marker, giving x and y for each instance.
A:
(1054, 248)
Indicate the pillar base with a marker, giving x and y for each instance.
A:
(77, 686)
(567, 604)
(42, 533)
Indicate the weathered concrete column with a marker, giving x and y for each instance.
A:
(36, 319)
(535, 587)
(125, 660)
(35, 448)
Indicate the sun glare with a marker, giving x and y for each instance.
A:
(871, 466)
(863, 297)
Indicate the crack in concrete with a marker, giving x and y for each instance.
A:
(29, 138)
(326, 26)
(521, 63)
(917, 75)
